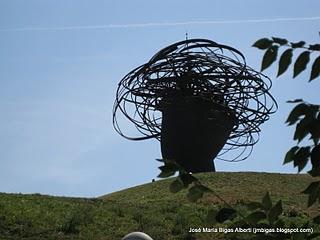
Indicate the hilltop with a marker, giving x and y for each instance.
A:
(150, 208)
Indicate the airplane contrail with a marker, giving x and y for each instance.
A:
(163, 24)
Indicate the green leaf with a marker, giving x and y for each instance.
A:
(316, 220)
(313, 190)
(314, 47)
(298, 44)
(315, 70)
(301, 158)
(314, 128)
(290, 155)
(169, 168)
(279, 223)
(253, 205)
(301, 63)
(187, 179)
(296, 112)
(269, 57)
(165, 174)
(314, 172)
(211, 217)
(298, 236)
(203, 188)
(263, 43)
(266, 202)
(315, 156)
(225, 214)
(167, 161)
(302, 129)
(312, 111)
(313, 197)
(315, 161)
(275, 212)
(312, 187)
(285, 61)
(255, 217)
(314, 124)
(196, 192)
(194, 195)
(280, 41)
(167, 171)
(313, 235)
(176, 186)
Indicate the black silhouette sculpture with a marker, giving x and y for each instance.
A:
(199, 99)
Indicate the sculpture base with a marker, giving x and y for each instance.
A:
(194, 131)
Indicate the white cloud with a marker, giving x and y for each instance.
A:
(160, 24)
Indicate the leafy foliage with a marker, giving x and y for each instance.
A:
(272, 46)
(148, 208)
(263, 43)
(183, 181)
(285, 61)
(225, 214)
(269, 57)
(301, 63)
(315, 71)
(314, 192)
(264, 215)
(304, 115)
(168, 169)
(266, 203)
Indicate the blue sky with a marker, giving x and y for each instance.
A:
(60, 62)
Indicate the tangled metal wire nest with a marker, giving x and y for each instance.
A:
(201, 69)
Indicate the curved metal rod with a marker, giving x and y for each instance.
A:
(197, 68)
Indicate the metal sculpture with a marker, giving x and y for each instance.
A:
(198, 98)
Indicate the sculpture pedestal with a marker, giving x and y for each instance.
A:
(193, 132)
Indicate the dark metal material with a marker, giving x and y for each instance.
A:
(196, 97)
(193, 132)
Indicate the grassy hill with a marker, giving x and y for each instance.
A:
(150, 208)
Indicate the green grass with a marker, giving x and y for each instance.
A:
(150, 208)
